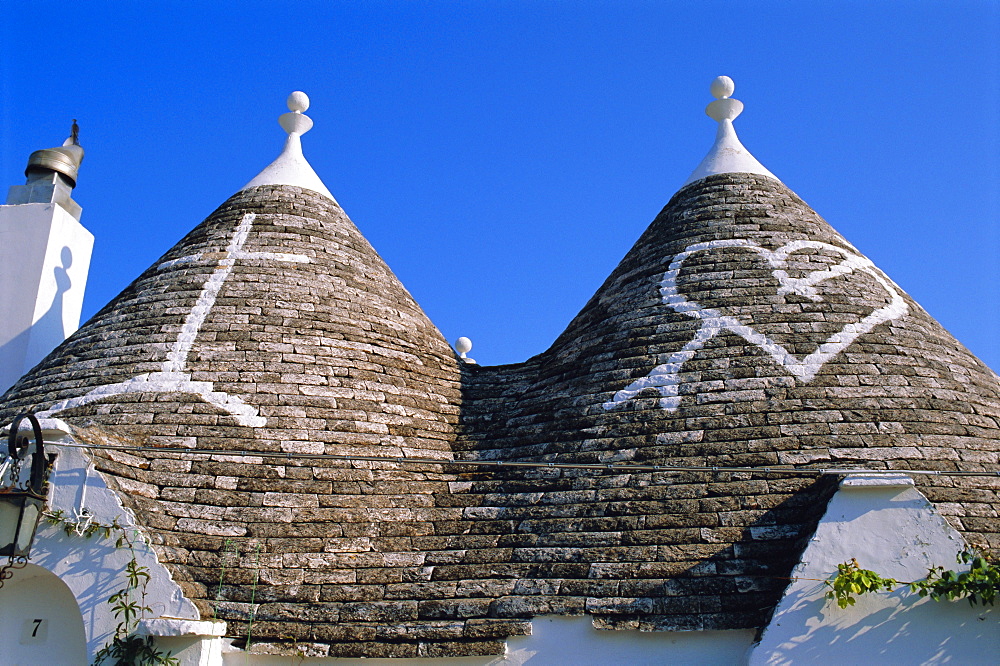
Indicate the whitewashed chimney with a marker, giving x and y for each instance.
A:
(44, 260)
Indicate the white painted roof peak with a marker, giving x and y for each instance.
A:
(727, 155)
(291, 167)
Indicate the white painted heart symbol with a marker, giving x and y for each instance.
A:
(665, 377)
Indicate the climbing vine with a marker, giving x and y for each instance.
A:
(128, 604)
(980, 584)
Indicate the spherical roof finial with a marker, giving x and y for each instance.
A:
(727, 155)
(463, 346)
(296, 122)
(298, 102)
(724, 107)
(722, 87)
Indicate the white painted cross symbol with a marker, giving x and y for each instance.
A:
(173, 376)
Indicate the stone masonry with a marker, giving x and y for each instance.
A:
(740, 330)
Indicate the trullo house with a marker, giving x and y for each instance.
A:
(267, 448)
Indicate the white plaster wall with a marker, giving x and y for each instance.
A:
(61, 286)
(44, 261)
(92, 567)
(23, 241)
(190, 642)
(39, 621)
(560, 640)
(890, 528)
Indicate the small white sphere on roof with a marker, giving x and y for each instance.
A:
(722, 87)
(298, 101)
(463, 345)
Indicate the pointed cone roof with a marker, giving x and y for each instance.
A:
(740, 330)
(275, 308)
(272, 327)
(274, 304)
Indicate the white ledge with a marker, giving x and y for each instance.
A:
(175, 626)
(878, 480)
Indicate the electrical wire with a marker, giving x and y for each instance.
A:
(613, 467)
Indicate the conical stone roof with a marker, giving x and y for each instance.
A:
(274, 327)
(740, 330)
(273, 317)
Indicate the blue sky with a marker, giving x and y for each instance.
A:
(503, 156)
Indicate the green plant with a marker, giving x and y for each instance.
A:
(86, 527)
(851, 579)
(253, 593)
(133, 651)
(230, 554)
(127, 604)
(980, 584)
(298, 652)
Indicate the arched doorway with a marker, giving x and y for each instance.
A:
(40, 621)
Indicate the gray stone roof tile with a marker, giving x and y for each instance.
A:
(310, 345)
(901, 394)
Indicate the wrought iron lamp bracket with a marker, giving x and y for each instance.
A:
(18, 448)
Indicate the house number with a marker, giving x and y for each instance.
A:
(35, 630)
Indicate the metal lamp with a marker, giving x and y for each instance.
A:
(21, 506)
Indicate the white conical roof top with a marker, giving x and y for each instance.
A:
(727, 155)
(291, 167)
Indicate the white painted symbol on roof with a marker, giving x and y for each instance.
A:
(665, 378)
(173, 377)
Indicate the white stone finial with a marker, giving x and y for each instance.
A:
(463, 346)
(727, 155)
(298, 102)
(291, 167)
(724, 107)
(295, 122)
(722, 87)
